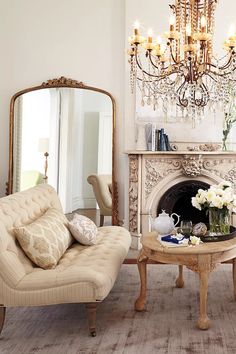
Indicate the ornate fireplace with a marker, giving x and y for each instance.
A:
(177, 199)
(167, 180)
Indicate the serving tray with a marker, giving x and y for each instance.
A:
(217, 238)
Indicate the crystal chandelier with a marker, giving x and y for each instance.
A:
(179, 68)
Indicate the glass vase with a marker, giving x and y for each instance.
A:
(219, 221)
(226, 145)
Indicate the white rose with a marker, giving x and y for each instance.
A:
(195, 203)
(226, 198)
(195, 240)
(219, 191)
(210, 195)
(217, 202)
(200, 191)
(202, 198)
(224, 184)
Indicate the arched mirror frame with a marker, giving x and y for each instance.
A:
(57, 83)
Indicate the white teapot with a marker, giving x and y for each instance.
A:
(164, 224)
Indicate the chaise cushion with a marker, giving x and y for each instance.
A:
(83, 230)
(83, 274)
(45, 240)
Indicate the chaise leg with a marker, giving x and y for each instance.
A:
(2, 316)
(91, 310)
(101, 220)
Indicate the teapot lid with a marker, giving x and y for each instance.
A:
(163, 213)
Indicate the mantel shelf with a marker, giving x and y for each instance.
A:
(179, 152)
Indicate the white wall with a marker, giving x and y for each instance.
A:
(84, 40)
(44, 39)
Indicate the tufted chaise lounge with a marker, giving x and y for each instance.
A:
(84, 274)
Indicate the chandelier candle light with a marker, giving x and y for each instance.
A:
(183, 71)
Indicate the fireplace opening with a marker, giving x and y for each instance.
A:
(177, 199)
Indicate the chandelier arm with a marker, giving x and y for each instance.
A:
(164, 68)
(136, 59)
(191, 66)
(141, 68)
(153, 75)
(172, 56)
(197, 102)
(221, 75)
(205, 90)
(152, 62)
(208, 74)
(225, 66)
(182, 101)
(157, 79)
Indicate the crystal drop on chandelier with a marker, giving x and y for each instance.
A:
(183, 70)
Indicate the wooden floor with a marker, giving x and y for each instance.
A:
(168, 326)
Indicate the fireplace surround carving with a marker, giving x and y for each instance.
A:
(152, 174)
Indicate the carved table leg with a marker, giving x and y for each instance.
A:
(234, 277)
(203, 321)
(180, 280)
(91, 309)
(2, 316)
(142, 267)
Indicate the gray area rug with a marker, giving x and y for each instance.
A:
(168, 325)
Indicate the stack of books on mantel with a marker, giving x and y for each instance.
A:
(157, 139)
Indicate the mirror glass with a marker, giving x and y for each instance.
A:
(60, 136)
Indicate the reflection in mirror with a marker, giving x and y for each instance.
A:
(62, 135)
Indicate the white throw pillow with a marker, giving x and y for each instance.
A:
(83, 229)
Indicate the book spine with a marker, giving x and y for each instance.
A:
(156, 139)
(158, 143)
(168, 147)
(162, 141)
(148, 131)
(153, 137)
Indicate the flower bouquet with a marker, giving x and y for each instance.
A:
(219, 201)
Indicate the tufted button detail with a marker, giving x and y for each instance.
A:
(94, 265)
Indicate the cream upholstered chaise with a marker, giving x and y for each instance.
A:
(102, 186)
(84, 274)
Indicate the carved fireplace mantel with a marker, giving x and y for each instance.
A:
(151, 174)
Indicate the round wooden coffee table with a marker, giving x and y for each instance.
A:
(201, 259)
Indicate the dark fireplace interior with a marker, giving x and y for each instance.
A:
(177, 200)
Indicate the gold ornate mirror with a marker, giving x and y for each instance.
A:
(60, 133)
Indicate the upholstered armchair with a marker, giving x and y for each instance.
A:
(102, 186)
(30, 179)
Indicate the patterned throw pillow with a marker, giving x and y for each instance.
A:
(46, 239)
(83, 229)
